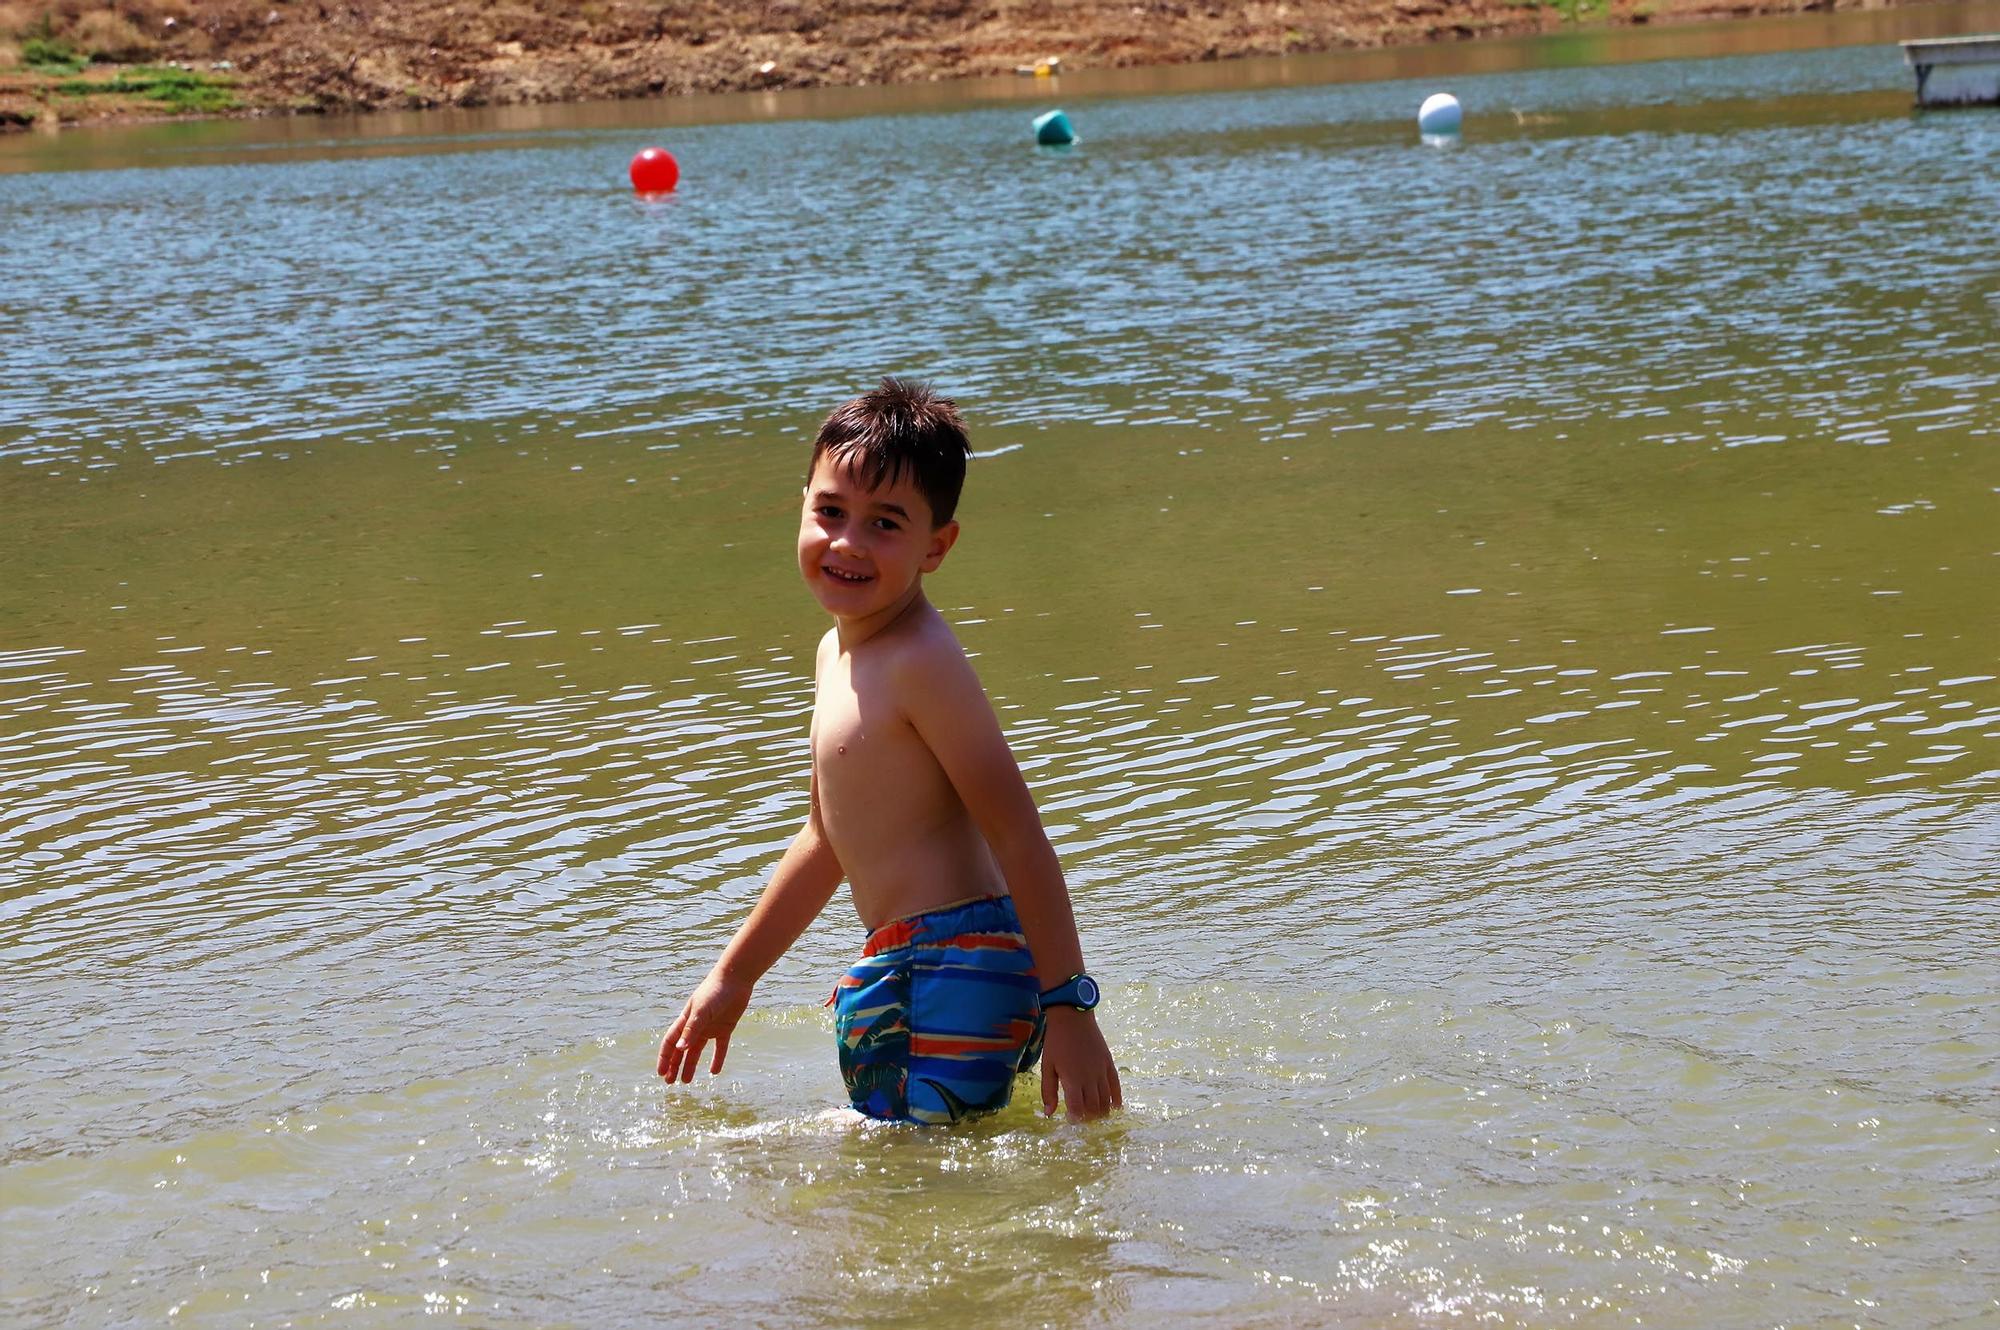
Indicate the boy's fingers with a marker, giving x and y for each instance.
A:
(721, 1048)
(690, 1058)
(1117, 1090)
(1048, 1090)
(670, 1045)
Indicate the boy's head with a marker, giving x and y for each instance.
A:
(902, 430)
(886, 471)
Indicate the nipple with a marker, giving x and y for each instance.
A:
(840, 748)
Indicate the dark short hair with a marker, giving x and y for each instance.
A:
(900, 429)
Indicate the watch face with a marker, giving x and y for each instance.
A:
(1086, 992)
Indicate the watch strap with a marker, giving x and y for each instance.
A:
(1079, 991)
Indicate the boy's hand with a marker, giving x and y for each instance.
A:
(1076, 1059)
(711, 1012)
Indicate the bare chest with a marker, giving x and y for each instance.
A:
(863, 749)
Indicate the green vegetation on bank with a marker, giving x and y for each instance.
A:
(52, 55)
(1580, 11)
(182, 91)
(70, 62)
(92, 69)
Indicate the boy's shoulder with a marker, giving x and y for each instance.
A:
(926, 670)
(921, 639)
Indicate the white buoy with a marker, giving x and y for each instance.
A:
(1439, 114)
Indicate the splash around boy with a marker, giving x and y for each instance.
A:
(972, 968)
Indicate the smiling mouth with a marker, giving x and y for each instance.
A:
(852, 579)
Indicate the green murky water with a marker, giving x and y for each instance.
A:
(1504, 639)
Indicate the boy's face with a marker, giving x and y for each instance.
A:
(861, 550)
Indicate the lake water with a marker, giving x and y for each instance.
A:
(1504, 638)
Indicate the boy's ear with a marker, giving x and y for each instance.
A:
(942, 539)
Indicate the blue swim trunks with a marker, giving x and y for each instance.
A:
(940, 1014)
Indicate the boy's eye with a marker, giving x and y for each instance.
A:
(886, 524)
(827, 510)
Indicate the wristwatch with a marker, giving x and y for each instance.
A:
(1079, 991)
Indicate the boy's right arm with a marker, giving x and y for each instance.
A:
(800, 888)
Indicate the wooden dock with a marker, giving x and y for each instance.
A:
(1956, 71)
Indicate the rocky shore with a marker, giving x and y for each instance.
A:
(76, 61)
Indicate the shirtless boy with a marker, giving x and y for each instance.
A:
(916, 800)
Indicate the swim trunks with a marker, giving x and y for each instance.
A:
(940, 1014)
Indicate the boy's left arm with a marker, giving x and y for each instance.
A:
(945, 702)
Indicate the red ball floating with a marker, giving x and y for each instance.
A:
(654, 171)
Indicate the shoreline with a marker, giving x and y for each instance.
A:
(246, 61)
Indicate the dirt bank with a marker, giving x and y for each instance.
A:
(68, 61)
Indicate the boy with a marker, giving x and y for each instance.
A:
(916, 800)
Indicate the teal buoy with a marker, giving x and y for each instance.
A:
(1053, 128)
